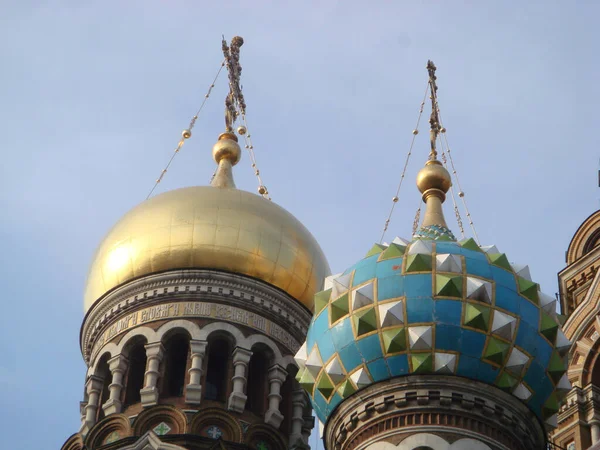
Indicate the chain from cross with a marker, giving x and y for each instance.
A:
(434, 120)
(234, 102)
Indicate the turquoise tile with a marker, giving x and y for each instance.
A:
(335, 400)
(467, 366)
(507, 299)
(474, 254)
(503, 277)
(419, 310)
(448, 311)
(543, 351)
(448, 337)
(389, 267)
(487, 373)
(390, 287)
(341, 334)
(379, 369)
(350, 356)
(398, 365)
(472, 343)
(418, 285)
(365, 270)
(321, 323)
(529, 312)
(535, 403)
(535, 375)
(321, 405)
(478, 268)
(370, 347)
(527, 338)
(326, 347)
(448, 247)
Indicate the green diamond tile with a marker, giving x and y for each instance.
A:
(548, 327)
(448, 285)
(346, 389)
(496, 350)
(500, 260)
(325, 386)
(375, 250)
(365, 321)
(418, 263)
(470, 244)
(528, 289)
(556, 367)
(506, 382)
(339, 308)
(394, 340)
(393, 251)
(551, 406)
(321, 300)
(307, 381)
(562, 318)
(477, 316)
(421, 362)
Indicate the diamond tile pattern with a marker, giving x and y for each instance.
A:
(434, 306)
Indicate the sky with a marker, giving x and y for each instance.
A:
(94, 96)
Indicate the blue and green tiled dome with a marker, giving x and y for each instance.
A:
(434, 306)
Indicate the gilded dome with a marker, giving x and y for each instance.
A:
(210, 228)
(434, 306)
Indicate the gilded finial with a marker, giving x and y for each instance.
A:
(234, 102)
(226, 153)
(433, 180)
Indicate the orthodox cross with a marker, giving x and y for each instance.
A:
(234, 102)
(434, 119)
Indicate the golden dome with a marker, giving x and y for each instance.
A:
(210, 228)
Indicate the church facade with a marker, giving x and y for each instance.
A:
(212, 321)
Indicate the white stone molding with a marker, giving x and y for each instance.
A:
(118, 366)
(93, 387)
(254, 339)
(194, 285)
(193, 391)
(297, 420)
(220, 327)
(192, 329)
(151, 441)
(420, 440)
(237, 399)
(154, 356)
(276, 377)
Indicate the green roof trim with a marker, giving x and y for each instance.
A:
(421, 362)
(418, 263)
(477, 316)
(448, 285)
(321, 300)
(375, 250)
(394, 340)
(365, 321)
(496, 350)
(500, 260)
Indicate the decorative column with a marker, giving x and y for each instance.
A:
(595, 428)
(308, 422)
(193, 391)
(237, 399)
(277, 376)
(118, 366)
(93, 388)
(154, 355)
(297, 421)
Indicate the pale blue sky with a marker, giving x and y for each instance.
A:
(94, 95)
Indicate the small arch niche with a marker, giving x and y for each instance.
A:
(258, 373)
(217, 369)
(177, 349)
(135, 374)
(103, 372)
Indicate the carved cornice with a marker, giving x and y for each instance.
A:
(451, 405)
(190, 285)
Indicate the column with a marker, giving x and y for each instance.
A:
(595, 427)
(93, 387)
(308, 422)
(193, 391)
(118, 366)
(276, 376)
(154, 356)
(237, 399)
(296, 438)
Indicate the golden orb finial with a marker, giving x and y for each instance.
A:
(226, 153)
(433, 176)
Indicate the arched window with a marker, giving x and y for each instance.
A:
(256, 387)
(177, 349)
(217, 370)
(285, 406)
(103, 371)
(135, 374)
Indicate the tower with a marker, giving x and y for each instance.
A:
(433, 343)
(196, 302)
(579, 287)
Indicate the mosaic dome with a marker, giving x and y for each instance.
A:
(434, 306)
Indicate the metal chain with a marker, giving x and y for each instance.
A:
(262, 189)
(187, 133)
(461, 193)
(415, 132)
(454, 204)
